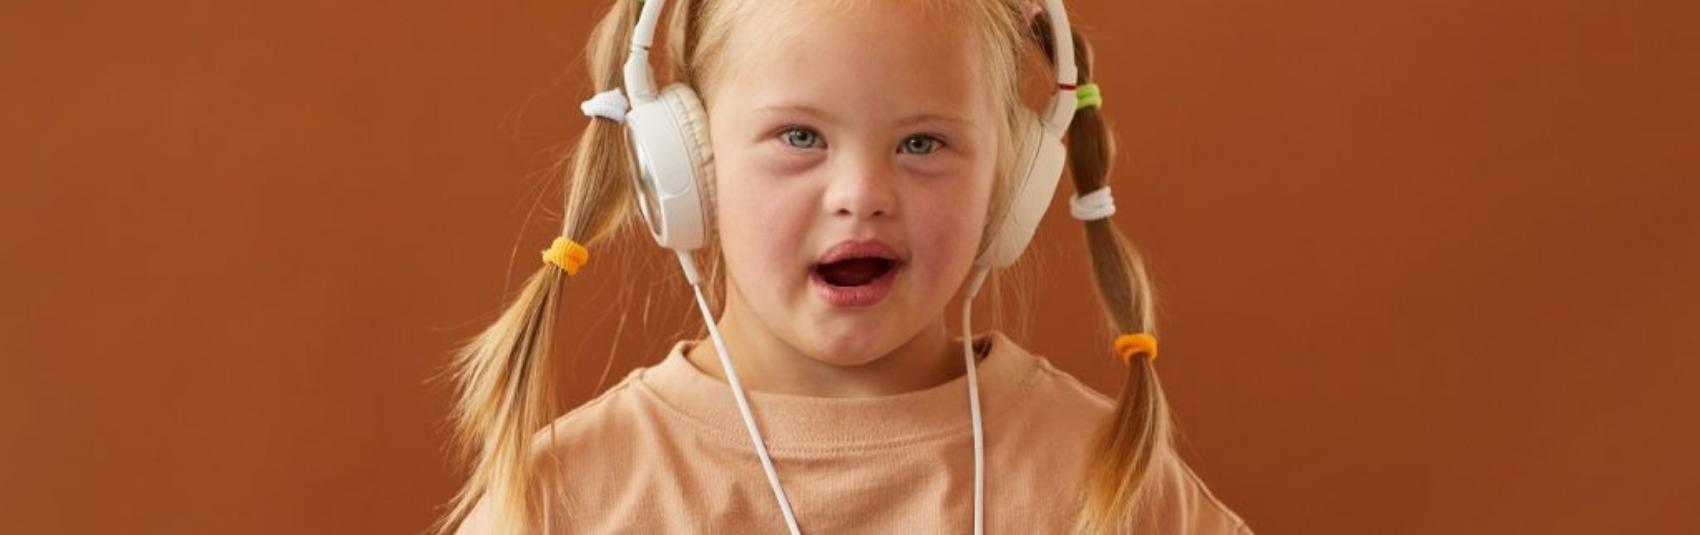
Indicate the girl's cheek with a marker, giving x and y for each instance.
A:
(945, 228)
(947, 166)
(779, 166)
(758, 211)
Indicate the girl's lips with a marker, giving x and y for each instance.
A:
(859, 249)
(855, 296)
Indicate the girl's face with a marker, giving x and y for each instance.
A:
(854, 151)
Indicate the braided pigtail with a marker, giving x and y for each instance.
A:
(503, 376)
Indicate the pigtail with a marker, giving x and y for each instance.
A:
(503, 376)
(1119, 464)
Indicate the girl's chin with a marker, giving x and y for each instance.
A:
(844, 343)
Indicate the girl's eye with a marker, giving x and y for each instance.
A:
(920, 144)
(800, 138)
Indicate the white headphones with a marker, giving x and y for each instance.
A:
(671, 163)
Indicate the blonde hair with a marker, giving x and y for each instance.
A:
(505, 395)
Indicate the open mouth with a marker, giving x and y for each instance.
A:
(853, 272)
(856, 273)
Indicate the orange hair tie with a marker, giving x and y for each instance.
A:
(1128, 345)
(567, 254)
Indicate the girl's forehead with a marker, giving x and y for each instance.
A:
(757, 25)
(900, 54)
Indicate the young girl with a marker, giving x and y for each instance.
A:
(845, 169)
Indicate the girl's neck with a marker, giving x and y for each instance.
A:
(768, 364)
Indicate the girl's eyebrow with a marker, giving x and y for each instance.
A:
(793, 108)
(823, 114)
(934, 118)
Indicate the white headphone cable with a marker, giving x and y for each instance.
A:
(974, 282)
(744, 407)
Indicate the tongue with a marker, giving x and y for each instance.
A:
(854, 272)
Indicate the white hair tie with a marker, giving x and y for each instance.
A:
(610, 104)
(1092, 206)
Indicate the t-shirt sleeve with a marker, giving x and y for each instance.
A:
(1182, 504)
(477, 522)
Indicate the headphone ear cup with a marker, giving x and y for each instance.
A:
(1039, 165)
(693, 124)
(672, 166)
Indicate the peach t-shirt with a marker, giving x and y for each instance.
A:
(666, 452)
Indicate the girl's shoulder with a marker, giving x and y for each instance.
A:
(1182, 503)
(585, 461)
(595, 422)
(1048, 392)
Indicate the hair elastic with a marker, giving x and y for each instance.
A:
(566, 254)
(1128, 345)
(1092, 206)
(1088, 96)
(610, 104)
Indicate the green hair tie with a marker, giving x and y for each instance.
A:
(1087, 96)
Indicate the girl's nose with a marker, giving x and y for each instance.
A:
(862, 187)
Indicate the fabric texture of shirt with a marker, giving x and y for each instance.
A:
(665, 451)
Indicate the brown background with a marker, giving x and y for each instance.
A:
(1425, 267)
